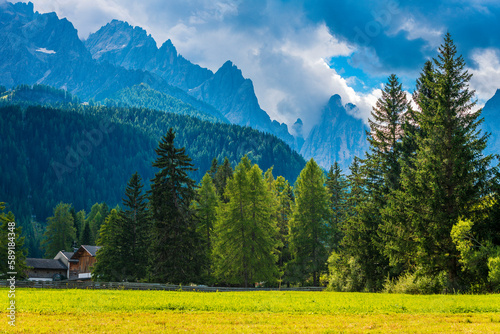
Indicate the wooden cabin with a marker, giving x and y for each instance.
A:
(85, 256)
(46, 269)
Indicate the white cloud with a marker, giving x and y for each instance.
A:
(486, 73)
(272, 42)
(415, 30)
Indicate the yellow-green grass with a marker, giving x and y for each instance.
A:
(118, 311)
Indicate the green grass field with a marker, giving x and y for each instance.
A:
(118, 311)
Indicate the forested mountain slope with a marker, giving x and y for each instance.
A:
(86, 154)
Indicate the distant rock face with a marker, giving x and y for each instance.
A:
(43, 49)
(338, 137)
(491, 115)
(227, 90)
(132, 48)
(232, 94)
(36, 48)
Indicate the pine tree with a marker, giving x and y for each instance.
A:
(60, 232)
(309, 228)
(246, 245)
(175, 254)
(136, 229)
(448, 177)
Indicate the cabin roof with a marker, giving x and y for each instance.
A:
(92, 250)
(45, 263)
(66, 255)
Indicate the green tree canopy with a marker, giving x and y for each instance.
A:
(247, 236)
(175, 253)
(60, 232)
(310, 225)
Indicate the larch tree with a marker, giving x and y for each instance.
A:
(111, 264)
(247, 236)
(205, 206)
(285, 202)
(60, 232)
(309, 227)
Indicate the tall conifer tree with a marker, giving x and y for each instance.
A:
(449, 174)
(110, 264)
(175, 254)
(247, 241)
(309, 228)
(205, 206)
(136, 229)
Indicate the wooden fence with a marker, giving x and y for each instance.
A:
(139, 286)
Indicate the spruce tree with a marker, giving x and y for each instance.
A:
(247, 241)
(10, 238)
(86, 237)
(448, 177)
(136, 229)
(224, 173)
(337, 186)
(309, 227)
(213, 168)
(363, 268)
(75, 222)
(386, 130)
(175, 254)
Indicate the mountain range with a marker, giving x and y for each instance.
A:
(43, 49)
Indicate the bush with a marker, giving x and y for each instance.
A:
(345, 274)
(494, 272)
(413, 283)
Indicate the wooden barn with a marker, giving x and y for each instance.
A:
(85, 258)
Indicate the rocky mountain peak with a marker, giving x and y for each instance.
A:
(337, 138)
(121, 44)
(231, 73)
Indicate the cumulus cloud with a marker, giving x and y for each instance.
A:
(486, 73)
(287, 47)
(273, 43)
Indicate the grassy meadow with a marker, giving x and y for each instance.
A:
(125, 311)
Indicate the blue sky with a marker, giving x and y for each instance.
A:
(299, 53)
